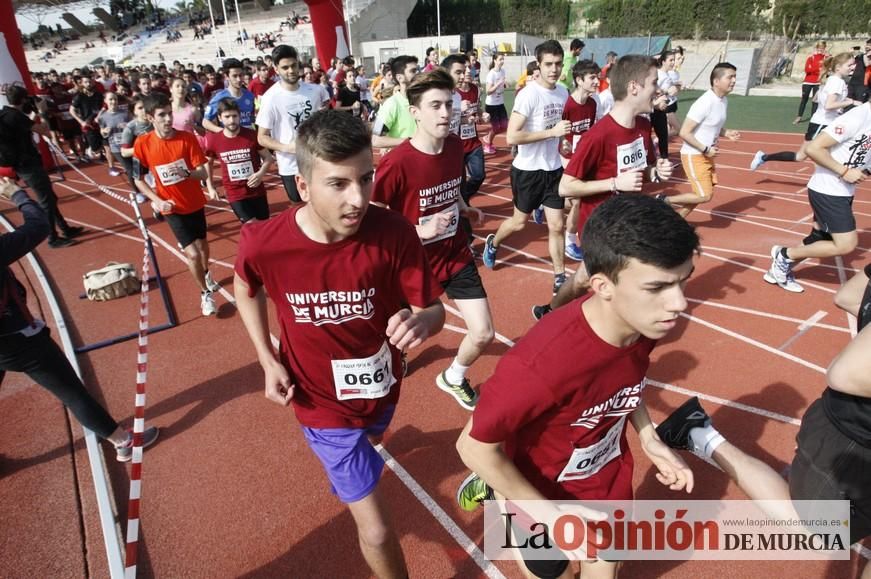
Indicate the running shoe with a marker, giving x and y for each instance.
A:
(558, 281)
(463, 393)
(574, 251)
(113, 172)
(675, 430)
(539, 312)
(140, 199)
(489, 256)
(207, 304)
(489, 150)
(124, 453)
(538, 215)
(472, 492)
(211, 284)
(73, 231)
(59, 242)
(780, 272)
(757, 160)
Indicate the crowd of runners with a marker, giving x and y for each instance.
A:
(379, 248)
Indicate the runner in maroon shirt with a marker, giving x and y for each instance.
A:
(345, 321)
(244, 164)
(551, 421)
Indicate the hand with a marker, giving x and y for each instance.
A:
(566, 147)
(485, 117)
(712, 151)
(8, 187)
(435, 226)
(673, 471)
(732, 135)
(254, 180)
(664, 169)
(854, 176)
(464, 106)
(473, 214)
(561, 128)
(279, 388)
(629, 181)
(162, 206)
(406, 330)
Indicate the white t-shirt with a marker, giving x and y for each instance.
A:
(282, 111)
(543, 109)
(834, 85)
(494, 77)
(709, 111)
(665, 82)
(604, 103)
(456, 113)
(853, 131)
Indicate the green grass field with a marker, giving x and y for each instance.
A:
(749, 113)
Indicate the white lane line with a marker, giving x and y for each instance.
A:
(802, 329)
(428, 502)
(762, 314)
(753, 342)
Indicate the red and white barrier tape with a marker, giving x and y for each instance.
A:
(105, 190)
(138, 428)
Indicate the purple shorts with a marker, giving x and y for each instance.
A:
(351, 462)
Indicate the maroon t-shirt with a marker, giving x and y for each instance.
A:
(419, 185)
(333, 301)
(582, 117)
(258, 87)
(468, 131)
(560, 401)
(239, 160)
(607, 150)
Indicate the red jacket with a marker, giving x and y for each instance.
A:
(813, 67)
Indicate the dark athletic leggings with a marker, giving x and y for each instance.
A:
(659, 119)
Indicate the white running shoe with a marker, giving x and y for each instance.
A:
(780, 272)
(211, 284)
(757, 160)
(208, 304)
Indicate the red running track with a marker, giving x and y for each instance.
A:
(231, 490)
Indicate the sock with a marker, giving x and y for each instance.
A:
(706, 439)
(456, 373)
(784, 254)
(127, 440)
(572, 238)
(782, 156)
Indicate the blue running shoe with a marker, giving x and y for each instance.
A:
(489, 256)
(538, 215)
(574, 251)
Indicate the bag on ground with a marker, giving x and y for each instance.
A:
(116, 280)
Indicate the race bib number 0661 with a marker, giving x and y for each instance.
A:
(366, 378)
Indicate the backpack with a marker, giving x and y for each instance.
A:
(116, 280)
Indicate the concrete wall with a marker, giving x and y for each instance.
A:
(381, 20)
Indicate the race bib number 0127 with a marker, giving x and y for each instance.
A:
(364, 378)
(240, 171)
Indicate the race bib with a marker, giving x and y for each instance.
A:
(631, 156)
(585, 462)
(240, 171)
(468, 132)
(454, 213)
(365, 378)
(172, 173)
(575, 140)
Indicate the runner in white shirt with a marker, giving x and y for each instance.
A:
(536, 127)
(282, 108)
(842, 152)
(494, 104)
(701, 132)
(832, 99)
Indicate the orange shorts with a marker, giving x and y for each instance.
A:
(701, 173)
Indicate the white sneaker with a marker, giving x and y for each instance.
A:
(757, 160)
(208, 304)
(780, 272)
(211, 284)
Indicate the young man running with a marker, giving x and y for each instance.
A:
(244, 164)
(580, 110)
(841, 153)
(235, 90)
(615, 156)
(344, 323)
(701, 131)
(553, 426)
(178, 165)
(421, 178)
(283, 107)
(536, 127)
(394, 123)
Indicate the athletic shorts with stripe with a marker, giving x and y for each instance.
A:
(701, 173)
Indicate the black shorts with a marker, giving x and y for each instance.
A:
(543, 568)
(290, 188)
(466, 284)
(70, 133)
(830, 466)
(498, 117)
(251, 208)
(530, 189)
(188, 227)
(813, 130)
(833, 214)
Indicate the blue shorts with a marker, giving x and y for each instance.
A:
(351, 462)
